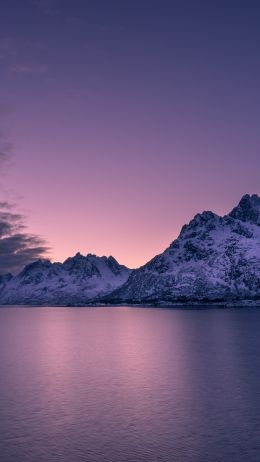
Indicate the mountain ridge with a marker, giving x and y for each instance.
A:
(78, 279)
(215, 259)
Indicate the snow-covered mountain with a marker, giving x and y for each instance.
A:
(76, 281)
(214, 259)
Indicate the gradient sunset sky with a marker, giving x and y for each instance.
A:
(127, 117)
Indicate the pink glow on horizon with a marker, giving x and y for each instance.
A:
(126, 125)
(122, 196)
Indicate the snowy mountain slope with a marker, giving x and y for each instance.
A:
(214, 258)
(77, 280)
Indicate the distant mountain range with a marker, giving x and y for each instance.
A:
(78, 280)
(214, 260)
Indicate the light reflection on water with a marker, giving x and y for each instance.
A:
(129, 384)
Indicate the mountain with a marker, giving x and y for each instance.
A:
(214, 259)
(78, 280)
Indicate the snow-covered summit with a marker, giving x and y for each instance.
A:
(248, 209)
(214, 258)
(77, 280)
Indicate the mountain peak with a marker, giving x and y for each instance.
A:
(248, 209)
(206, 218)
(41, 263)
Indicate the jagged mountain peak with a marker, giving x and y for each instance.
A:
(76, 281)
(248, 209)
(112, 259)
(38, 264)
(203, 217)
(78, 255)
(200, 220)
(214, 258)
(92, 255)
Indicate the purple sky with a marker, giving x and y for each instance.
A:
(127, 118)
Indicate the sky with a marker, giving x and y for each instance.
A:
(121, 119)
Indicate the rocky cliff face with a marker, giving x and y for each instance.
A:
(214, 258)
(78, 280)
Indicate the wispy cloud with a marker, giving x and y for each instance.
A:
(6, 205)
(17, 246)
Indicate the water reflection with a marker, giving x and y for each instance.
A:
(129, 384)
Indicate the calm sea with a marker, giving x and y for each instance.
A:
(129, 385)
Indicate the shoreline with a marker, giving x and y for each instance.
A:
(178, 305)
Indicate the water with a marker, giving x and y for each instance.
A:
(129, 384)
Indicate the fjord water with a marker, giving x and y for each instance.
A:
(129, 385)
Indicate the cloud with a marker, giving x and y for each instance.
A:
(5, 205)
(17, 246)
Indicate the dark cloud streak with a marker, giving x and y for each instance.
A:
(17, 247)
